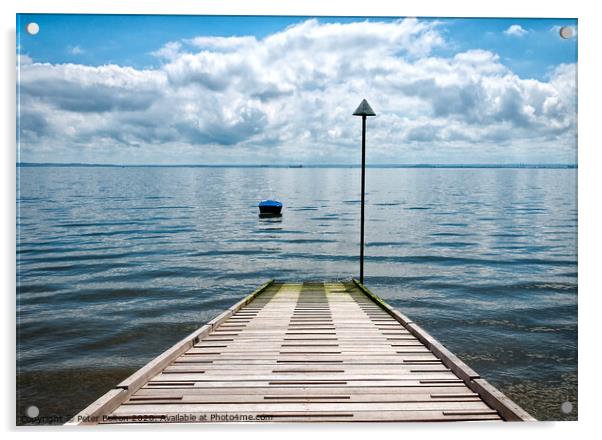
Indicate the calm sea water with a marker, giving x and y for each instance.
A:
(115, 265)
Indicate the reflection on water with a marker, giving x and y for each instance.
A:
(270, 218)
(116, 264)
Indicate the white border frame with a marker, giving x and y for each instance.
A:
(589, 154)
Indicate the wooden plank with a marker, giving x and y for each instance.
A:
(311, 417)
(309, 398)
(274, 367)
(190, 376)
(304, 382)
(301, 391)
(188, 407)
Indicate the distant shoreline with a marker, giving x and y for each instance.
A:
(96, 165)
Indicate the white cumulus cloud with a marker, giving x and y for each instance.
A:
(516, 30)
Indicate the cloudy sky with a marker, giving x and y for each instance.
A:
(261, 90)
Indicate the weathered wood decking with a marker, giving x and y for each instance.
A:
(305, 352)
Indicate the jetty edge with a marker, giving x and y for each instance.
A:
(312, 351)
(127, 387)
(508, 409)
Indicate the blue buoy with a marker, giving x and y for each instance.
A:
(270, 208)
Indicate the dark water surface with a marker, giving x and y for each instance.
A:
(117, 264)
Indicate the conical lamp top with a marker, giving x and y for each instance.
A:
(364, 109)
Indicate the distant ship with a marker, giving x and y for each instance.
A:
(295, 166)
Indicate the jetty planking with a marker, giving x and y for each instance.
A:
(305, 352)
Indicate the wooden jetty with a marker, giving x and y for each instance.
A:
(305, 352)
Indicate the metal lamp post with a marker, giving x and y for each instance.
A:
(363, 110)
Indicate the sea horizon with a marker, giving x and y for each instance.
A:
(303, 165)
